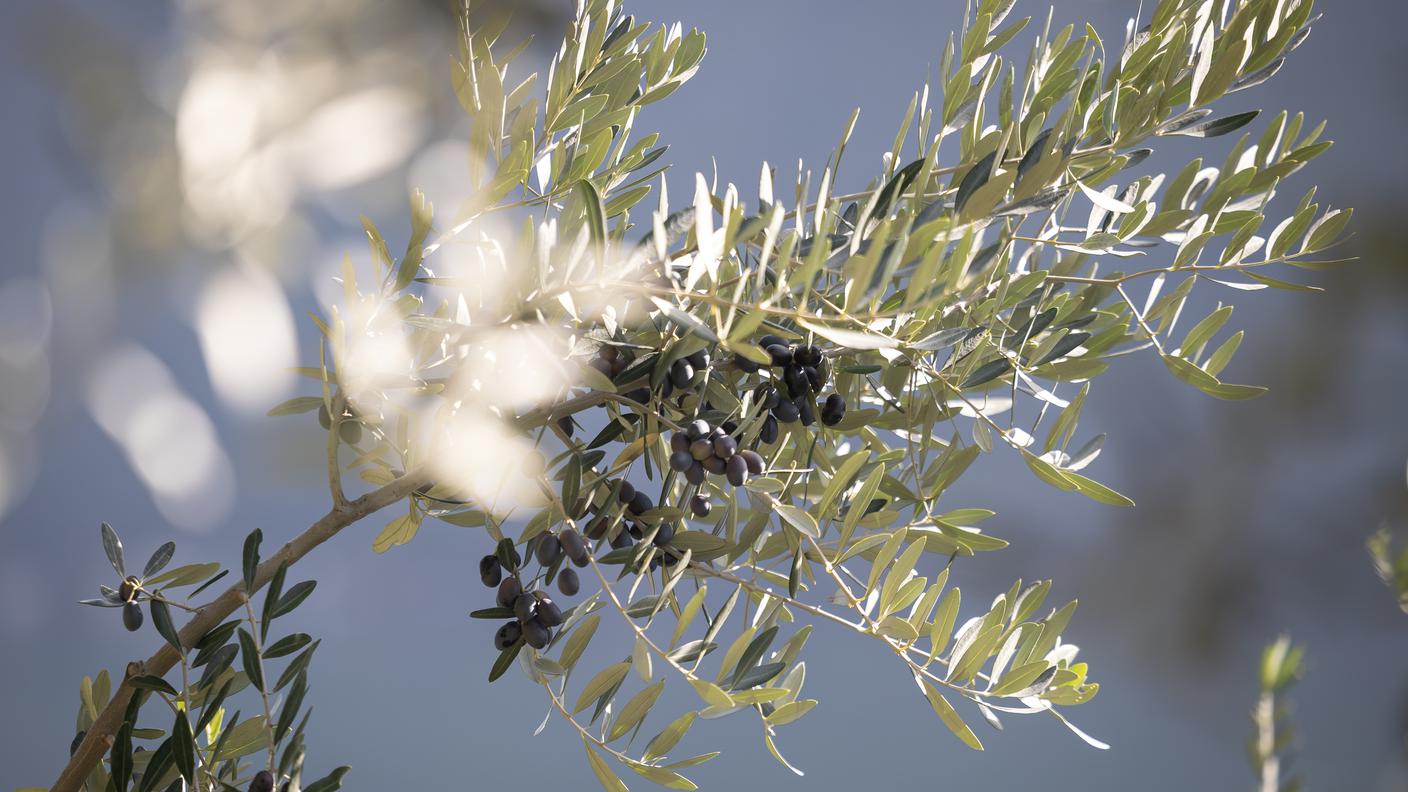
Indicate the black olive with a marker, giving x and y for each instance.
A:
(696, 429)
(768, 432)
(666, 388)
(835, 403)
(636, 531)
(77, 741)
(508, 554)
(725, 447)
(713, 464)
(796, 381)
(700, 505)
(695, 474)
(744, 364)
(568, 582)
(350, 431)
(781, 355)
(729, 427)
(626, 492)
(565, 424)
(664, 534)
(509, 590)
(753, 460)
(126, 590)
(737, 471)
(786, 412)
(549, 550)
(680, 461)
(548, 613)
(575, 547)
(507, 635)
(679, 442)
(640, 503)
(525, 606)
(699, 360)
(597, 528)
(681, 372)
(263, 781)
(811, 356)
(132, 616)
(489, 570)
(536, 635)
(875, 505)
(639, 395)
(701, 449)
(813, 378)
(805, 411)
(324, 418)
(622, 539)
(769, 397)
(771, 340)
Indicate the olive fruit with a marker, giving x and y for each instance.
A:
(639, 395)
(622, 539)
(681, 373)
(680, 461)
(700, 505)
(753, 460)
(525, 607)
(489, 570)
(695, 474)
(768, 397)
(771, 340)
(132, 616)
(640, 503)
(807, 355)
(549, 550)
(565, 424)
(786, 412)
(535, 634)
(127, 589)
(597, 528)
(507, 635)
(701, 449)
(635, 531)
(679, 442)
(713, 464)
(737, 470)
(548, 613)
(805, 411)
(568, 582)
(725, 446)
(324, 418)
(768, 433)
(744, 364)
(664, 534)
(263, 781)
(574, 546)
(833, 410)
(509, 590)
(781, 355)
(696, 429)
(699, 359)
(350, 431)
(626, 492)
(77, 741)
(796, 381)
(813, 378)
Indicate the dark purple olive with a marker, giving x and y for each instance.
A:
(810, 356)
(681, 373)
(875, 505)
(771, 340)
(263, 781)
(636, 531)
(813, 378)
(806, 411)
(568, 582)
(574, 546)
(700, 505)
(489, 570)
(781, 355)
(744, 364)
(696, 429)
(699, 360)
(626, 492)
(737, 471)
(679, 442)
(597, 528)
(507, 635)
(767, 396)
(536, 635)
(725, 447)
(548, 613)
(713, 464)
(795, 380)
(786, 412)
(768, 432)
(565, 424)
(132, 616)
(664, 534)
(622, 539)
(680, 461)
(701, 449)
(729, 427)
(509, 590)
(640, 503)
(753, 460)
(549, 550)
(695, 474)
(834, 403)
(639, 395)
(525, 606)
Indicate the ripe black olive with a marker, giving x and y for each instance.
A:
(525, 606)
(680, 461)
(574, 546)
(813, 378)
(635, 531)
(667, 387)
(536, 635)
(548, 613)
(695, 474)
(263, 781)
(744, 364)
(729, 427)
(753, 460)
(639, 395)
(768, 432)
(665, 533)
(699, 360)
(835, 403)
(700, 505)
(565, 424)
(805, 411)
(509, 590)
(622, 539)
(767, 396)
(489, 570)
(626, 492)
(696, 429)
(679, 442)
(568, 582)
(737, 471)
(640, 503)
(780, 354)
(132, 616)
(771, 340)
(549, 549)
(713, 464)
(725, 447)
(796, 381)
(507, 635)
(324, 419)
(681, 372)
(597, 528)
(786, 412)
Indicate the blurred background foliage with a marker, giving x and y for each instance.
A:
(182, 176)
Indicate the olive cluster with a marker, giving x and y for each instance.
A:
(802, 370)
(702, 449)
(611, 362)
(636, 503)
(535, 613)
